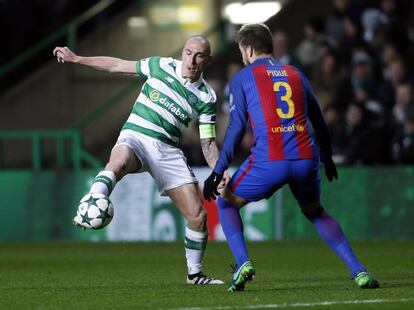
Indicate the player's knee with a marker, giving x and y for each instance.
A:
(197, 220)
(312, 210)
(123, 161)
(118, 166)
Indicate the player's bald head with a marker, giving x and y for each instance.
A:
(195, 56)
(203, 41)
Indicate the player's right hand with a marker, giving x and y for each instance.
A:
(210, 186)
(224, 180)
(64, 54)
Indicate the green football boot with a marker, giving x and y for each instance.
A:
(366, 280)
(243, 274)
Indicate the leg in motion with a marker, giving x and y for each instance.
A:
(122, 161)
(332, 234)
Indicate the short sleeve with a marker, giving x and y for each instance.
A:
(208, 114)
(143, 66)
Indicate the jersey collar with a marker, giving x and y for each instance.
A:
(265, 60)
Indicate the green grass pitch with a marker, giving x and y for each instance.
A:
(290, 274)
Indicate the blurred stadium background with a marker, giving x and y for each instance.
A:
(59, 122)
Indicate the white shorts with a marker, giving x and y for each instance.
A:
(167, 164)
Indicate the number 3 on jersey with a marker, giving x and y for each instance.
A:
(286, 98)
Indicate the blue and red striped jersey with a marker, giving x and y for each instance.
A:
(279, 102)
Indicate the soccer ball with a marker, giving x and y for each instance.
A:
(95, 211)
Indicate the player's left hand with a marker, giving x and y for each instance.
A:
(210, 186)
(330, 169)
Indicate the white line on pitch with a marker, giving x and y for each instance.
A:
(304, 304)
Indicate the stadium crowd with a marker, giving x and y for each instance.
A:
(359, 61)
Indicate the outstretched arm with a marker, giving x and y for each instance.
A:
(102, 63)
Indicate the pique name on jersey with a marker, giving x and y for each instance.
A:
(155, 96)
(276, 73)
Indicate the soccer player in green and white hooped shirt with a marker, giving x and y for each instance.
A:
(173, 94)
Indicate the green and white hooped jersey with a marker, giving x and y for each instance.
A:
(167, 103)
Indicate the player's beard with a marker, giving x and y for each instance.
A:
(245, 59)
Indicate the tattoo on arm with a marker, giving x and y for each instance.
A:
(210, 151)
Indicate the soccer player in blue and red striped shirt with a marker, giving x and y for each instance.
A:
(286, 119)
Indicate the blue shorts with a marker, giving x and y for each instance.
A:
(254, 181)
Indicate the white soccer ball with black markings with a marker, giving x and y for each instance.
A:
(95, 211)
